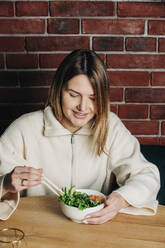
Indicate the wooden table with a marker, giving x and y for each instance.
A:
(46, 227)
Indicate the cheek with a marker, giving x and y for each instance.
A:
(66, 102)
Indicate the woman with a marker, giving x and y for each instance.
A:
(75, 140)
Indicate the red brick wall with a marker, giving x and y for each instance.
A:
(129, 36)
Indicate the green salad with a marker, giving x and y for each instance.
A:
(73, 198)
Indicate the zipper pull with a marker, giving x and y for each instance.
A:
(72, 139)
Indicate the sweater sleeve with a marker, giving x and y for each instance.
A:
(10, 141)
(138, 179)
(8, 203)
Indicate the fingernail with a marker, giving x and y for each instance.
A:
(88, 216)
(85, 221)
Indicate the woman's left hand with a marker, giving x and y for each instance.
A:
(113, 204)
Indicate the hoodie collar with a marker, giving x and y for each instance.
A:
(52, 127)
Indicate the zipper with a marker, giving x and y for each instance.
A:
(72, 160)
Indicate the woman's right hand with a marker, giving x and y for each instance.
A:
(20, 178)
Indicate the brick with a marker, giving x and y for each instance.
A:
(162, 141)
(100, 26)
(51, 60)
(1, 61)
(16, 61)
(31, 8)
(22, 26)
(148, 140)
(145, 95)
(23, 95)
(142, 127)
(6, 9)
(11, 44)
(133, 111)
(157, 112)
(77, 8)
(36, 78)
(116, 94)
(141, 44)
(161, 45)
(11, 112)
(108, 43)
(9, 78)
(163, 128)
(158, 78)
(57, 43)
(135, 9)
(135, 61)
(114, 108)
(63, 26)
(102, 57)
(129, 78)
(156, 27)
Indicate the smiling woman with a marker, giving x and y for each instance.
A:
(77, 141)
(78, 103)
(84, 73)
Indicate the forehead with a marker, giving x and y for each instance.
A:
(81, 83)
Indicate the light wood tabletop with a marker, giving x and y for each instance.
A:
(46, 227)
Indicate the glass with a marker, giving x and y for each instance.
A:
(12, 238)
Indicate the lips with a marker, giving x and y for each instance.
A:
(78, 114)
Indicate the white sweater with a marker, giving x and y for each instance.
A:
(67, 160)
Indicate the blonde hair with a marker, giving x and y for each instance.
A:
(88, 63)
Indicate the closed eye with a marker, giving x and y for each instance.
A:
(73, 94)
(92, 98)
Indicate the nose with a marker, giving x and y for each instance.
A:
(83, 104)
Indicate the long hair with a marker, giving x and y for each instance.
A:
(88, 63)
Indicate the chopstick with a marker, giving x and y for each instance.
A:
(54, 188)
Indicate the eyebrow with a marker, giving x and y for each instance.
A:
(79, 92)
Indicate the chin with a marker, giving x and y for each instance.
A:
(79, 125)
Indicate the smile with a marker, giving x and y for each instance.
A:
(79, 114)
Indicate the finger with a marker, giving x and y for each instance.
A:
(16, 185)
(29, 183)
(30, 176)
(16, 178)
(101, 216)
(20, 179)
(100, 219)
(98, 213)
(94, 221)
(22, 169)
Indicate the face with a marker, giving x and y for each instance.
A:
(78, 103)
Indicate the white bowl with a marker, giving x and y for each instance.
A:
(78, 215)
